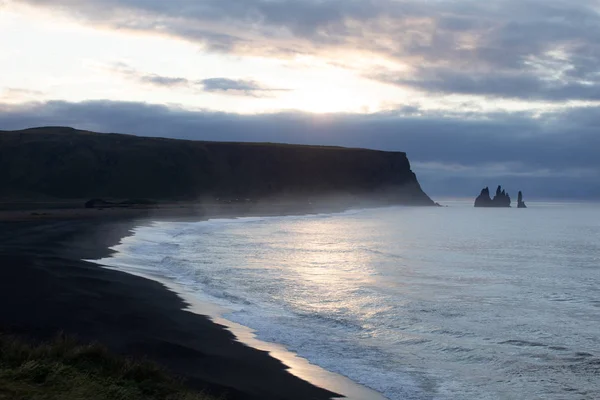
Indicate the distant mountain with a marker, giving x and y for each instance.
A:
(65, 163)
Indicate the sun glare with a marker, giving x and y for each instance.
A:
(328, 101)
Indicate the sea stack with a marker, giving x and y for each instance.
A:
(484, 199)
(501, 199)
(520, 202)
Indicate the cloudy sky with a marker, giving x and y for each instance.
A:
(476, 92)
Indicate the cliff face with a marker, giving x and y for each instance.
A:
(67, 163)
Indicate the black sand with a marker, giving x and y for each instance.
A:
(45, 288)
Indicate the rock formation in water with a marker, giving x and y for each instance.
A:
(501, 199)
(484, 199)
(65, 163)
(520, 202)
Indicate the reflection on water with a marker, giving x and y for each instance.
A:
(417, 303)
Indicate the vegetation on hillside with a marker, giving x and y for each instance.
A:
(66, 370)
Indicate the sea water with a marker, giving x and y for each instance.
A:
(416, 303)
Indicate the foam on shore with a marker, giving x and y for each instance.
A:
(298, 366)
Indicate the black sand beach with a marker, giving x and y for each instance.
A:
(45, 288)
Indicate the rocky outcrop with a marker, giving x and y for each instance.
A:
(484, 199)
(520, 202)
(501, 199)
(65, 163)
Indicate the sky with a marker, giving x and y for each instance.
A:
(478, 93)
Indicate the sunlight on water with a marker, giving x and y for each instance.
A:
(417, 303)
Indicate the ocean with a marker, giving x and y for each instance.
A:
(415, 303)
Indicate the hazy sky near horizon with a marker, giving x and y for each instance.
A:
(476, 92)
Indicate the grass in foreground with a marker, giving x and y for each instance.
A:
(66, 370)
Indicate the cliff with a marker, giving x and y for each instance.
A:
(64, 163)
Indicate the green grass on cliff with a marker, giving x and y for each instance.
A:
(66, 370)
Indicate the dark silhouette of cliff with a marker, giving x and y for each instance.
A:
(64, 163)
(520, 202)
(501, 199)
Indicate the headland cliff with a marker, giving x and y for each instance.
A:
(65, 163)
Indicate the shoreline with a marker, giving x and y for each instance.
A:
(46, 287)
(297, 365)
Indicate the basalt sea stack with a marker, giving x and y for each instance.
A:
(501, 199)
(520, 202)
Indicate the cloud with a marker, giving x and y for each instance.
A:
(453, 154)
(164, 80)
(235, 87)
(19, 95)
(527, 49)
(148, 78)
(521, 85)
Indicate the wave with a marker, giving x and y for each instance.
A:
(393, 299)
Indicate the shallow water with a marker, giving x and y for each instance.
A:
(416, 303)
